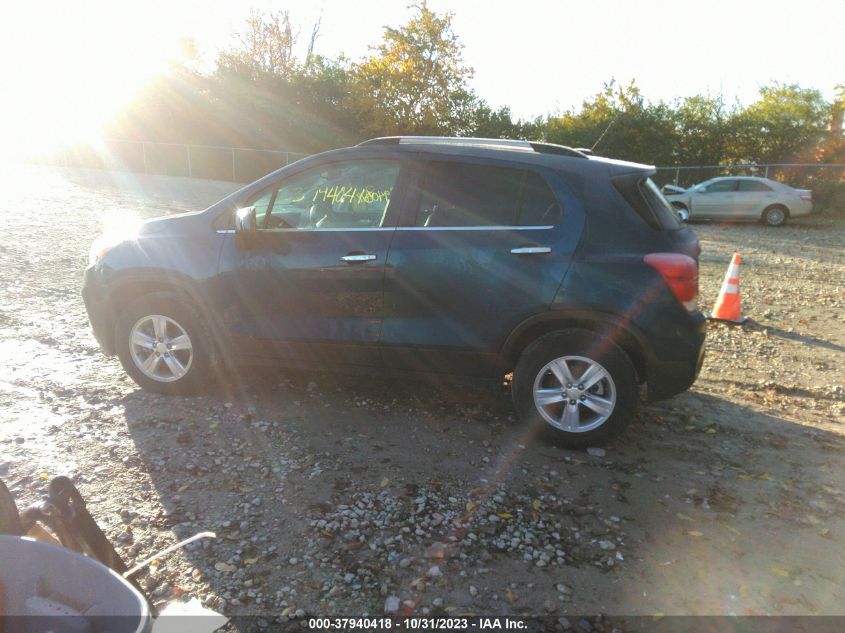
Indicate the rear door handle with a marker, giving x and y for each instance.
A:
(358, 257)
(531, 250)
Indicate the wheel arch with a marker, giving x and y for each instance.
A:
(614, 327)
(127, 289)
(775, 205)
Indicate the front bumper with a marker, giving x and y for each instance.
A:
(96, 304)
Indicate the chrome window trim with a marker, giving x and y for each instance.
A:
(496, 227)
(407, 228)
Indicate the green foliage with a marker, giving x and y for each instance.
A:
(785, 124)
(415, 80)
(829, 195)
(620, 123)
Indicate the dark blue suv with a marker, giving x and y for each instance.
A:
(457, 257)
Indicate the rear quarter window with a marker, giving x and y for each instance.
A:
(646, 199)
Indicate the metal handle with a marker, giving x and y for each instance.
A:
(531, 250)
(363, 257)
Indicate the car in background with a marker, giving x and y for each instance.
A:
(740, 198)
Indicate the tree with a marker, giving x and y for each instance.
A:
(619, 123)
(415, 77)
(703, 125)
(785, 124)
(265, 47)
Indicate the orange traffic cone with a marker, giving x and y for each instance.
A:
(727, 306)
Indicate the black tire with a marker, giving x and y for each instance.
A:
(775, 215)
(10, 522)
(182, 313)
(598, 350)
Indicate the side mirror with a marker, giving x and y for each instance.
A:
(245, 224)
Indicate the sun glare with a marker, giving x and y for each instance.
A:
(69, 68)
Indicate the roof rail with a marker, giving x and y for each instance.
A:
(526, 146)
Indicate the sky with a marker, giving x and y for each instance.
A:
(66, 67)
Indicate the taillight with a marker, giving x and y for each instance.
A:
(680, 273)
(806, 196)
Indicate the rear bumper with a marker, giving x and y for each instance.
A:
(668, 377)
(804, 207)
(94, 296)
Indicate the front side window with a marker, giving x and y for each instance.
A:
(353, 194)
(468, 195)
(721, 186)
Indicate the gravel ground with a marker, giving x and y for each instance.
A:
(360, 495)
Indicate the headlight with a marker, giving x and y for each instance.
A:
(108, 240)
(99, 247)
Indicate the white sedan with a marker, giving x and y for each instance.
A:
(740, 198)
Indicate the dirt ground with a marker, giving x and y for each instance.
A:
(339, 496)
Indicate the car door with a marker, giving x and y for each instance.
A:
(479, 248)
(752, 196)
(308, 288)
(716, 199)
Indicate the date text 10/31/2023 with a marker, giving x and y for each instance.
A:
(418, 623)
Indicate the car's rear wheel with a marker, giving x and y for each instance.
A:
(578, 387)
(162, 344)
(775, 216)
(681, 211)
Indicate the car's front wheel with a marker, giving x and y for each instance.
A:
(162, 344)
(681, 211)
(580, 388)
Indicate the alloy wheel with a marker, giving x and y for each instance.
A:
(161, 348)
(574, 394)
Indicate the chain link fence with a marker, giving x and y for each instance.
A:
(794, 174)
(238, 164)
(242, 164)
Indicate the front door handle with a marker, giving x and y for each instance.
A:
(358, 257)
(531, 250)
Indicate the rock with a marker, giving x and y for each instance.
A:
(607, 545)
(405, 562)
(473, 591)
(434, 572)
(224, 567)
(436, 550)
(596, 452)
(563, 588)
(391, 605)
(437, 602)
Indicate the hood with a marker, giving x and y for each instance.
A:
(173, 223)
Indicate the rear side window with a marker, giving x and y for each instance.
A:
(660, 206)
(646, 199)
(465, 195)
(753, 185)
